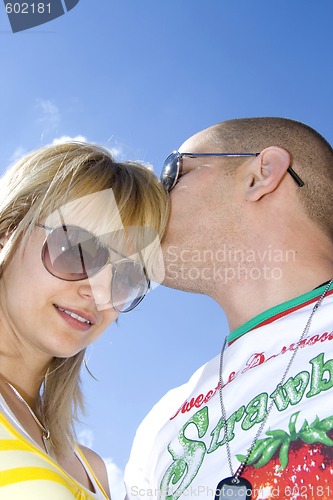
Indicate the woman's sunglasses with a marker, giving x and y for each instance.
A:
(71, 253)
(173, 167)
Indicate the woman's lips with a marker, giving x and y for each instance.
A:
(77, 319)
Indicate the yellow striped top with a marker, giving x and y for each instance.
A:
(26, 472)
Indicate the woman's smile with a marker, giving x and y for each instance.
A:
(77, 319)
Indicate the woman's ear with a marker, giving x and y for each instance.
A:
(265, 172)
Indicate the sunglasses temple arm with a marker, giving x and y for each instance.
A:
(296, 177)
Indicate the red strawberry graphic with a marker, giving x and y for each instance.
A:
(293, 466)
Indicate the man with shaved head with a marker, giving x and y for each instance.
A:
(251, 226)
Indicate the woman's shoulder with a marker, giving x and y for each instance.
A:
(98, 466)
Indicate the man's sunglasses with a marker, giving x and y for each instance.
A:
(173, 167)
(71, 253)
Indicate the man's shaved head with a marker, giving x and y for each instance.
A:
(311, 156)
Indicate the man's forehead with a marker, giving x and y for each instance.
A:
(202, 142)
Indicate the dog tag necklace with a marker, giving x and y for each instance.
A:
(46, 432)
(236, 486)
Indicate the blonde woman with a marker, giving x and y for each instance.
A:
(79, 245)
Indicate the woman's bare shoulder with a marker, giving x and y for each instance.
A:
(98, 466)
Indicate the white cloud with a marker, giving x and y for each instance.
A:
(116, 480)
(116, 151)
(50, 114)
(67, 138)
(86, 438)
(18, 154)
(20, 151)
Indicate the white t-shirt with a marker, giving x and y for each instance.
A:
(179, 450)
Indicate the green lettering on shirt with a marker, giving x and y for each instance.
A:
(291, 392)
(231, 421)
(188, 455)
(255, 412)
(321, 376)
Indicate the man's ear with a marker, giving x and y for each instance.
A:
(265, 172)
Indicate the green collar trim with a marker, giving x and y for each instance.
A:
(275, 312)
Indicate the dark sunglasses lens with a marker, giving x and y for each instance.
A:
(71, 253)
(129, 285)
(170, 171)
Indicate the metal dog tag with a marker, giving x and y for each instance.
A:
(231, 488)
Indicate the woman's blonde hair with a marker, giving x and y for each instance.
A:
(33, 188)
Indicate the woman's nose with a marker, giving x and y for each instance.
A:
(98, 288)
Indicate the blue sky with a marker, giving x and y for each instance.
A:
(140, 76)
